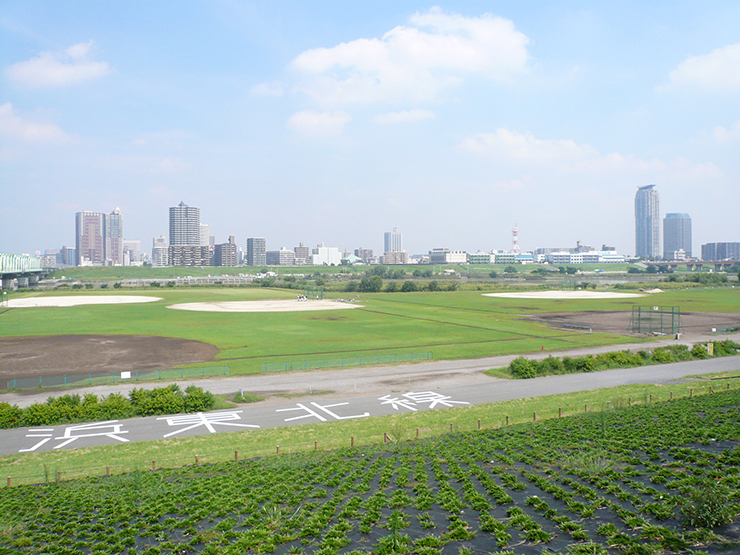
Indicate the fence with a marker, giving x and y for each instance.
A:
(657, 320)
(79, 380)
(344, 362)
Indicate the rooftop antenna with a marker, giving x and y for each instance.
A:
(515, 238)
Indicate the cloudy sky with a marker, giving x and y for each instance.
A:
(337, 121)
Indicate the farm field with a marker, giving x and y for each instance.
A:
(624, 480)
(451, 325)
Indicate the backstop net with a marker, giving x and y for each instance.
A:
(656, 320)
(313, 293)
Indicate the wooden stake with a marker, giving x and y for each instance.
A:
(479, 423)
(196, 460)
(107, 470)
(316, 444)
(585, 408)
(352, 441)
(386, 439)
(154, 465)
(452, 428)
(59, 475)
(629, 401)
(507, 419)
(560, 412)
(711, 390)
(651, 397)
(236, 455)
(8, 481)
(417, 433)
(277, 450)
(671, 395)
(534, 416)
(691, 393)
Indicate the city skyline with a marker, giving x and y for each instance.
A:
(305, 122)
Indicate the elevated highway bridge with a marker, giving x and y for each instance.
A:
(23, 269)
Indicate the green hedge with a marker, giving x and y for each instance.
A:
(522, 367)
(74, 408)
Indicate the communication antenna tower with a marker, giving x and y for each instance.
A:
(515, 238)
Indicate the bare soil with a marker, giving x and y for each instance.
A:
(618, 322)
(58, 355)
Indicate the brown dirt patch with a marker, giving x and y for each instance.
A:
(59, 355)
(619, 321)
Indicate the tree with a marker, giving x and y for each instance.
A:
(510, 270)
(434, 285)
(391, 286)
(371, 284)
(409, 286)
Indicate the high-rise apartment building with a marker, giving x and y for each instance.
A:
(99, 238)
(302, 254)
(393, 241)
(647, 222)
(225, 254)
(184, 225)
(720, 251)
(256, 251)
(185, 248)
(676, 236)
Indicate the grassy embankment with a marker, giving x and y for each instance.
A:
(176, 452)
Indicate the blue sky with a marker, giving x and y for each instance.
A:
(336, 121)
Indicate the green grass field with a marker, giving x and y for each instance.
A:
(452, 325)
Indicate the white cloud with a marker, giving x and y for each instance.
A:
(521, 147)
(319, 124)
(417, 62)
(724, 135)
(719, 70)
(567, 156)
(267, 89)
(14, 126)
(407, 116)
(54, 69)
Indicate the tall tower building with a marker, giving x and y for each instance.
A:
(676, 235)
(256, 251)
(393, 241)
(114, 238)
(90, 238)
(99, 238)
(647, 222)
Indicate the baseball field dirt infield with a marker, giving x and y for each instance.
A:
(52, 355)
(618, 321)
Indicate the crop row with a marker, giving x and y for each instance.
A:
(628, 479)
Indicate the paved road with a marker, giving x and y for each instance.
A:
(396, 396)
(357, 381)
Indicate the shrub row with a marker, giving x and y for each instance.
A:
(522, 367)
(74, 408)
